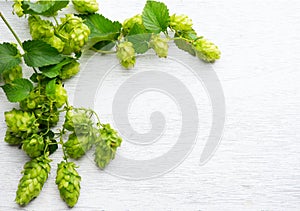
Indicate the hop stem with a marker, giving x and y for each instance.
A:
(11, 30)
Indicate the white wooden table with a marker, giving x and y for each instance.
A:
(257, 164)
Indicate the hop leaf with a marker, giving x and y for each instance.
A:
(86, 6)
(206, 50)
(68, 182)
(10, 75)
(126, 54)
(34, 146)
(35, 174)
(160, 45)
(181, 23)
(21, 121)
(77, 146)
(106, 146)
(74, 33)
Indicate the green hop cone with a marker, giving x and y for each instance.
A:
(106, 146)
(129, 23)
(34, 100)
(126, 54)
(68, 182)
(12, 74)
(69, 70)
(34, 146)
(17, 7)
(160, 45)
(21, 121)
(77, 146)
(12, 138)
(55, 42)
(206, 50)
(181, 22)
(60, 97)
(74, 33)
(86, 6)
(79, 121)
(35, 174)
(40, 29)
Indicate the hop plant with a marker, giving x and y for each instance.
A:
(126, 54)
(68, 182)
(181, 22)
(160, 45)
(12, 138)
(35, 174)
(21, 121)
(86, 6)
(74, 33)
(12, 74)
(69, 70)
(206, 50)
(34, 146)
(17, 7)
(40, 29)
(77, 146)
(129, 23)
(106, 146)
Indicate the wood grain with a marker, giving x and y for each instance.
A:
(256, 166)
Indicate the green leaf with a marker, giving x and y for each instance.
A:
(186, 46)
(18, 90)
(104, 45)
(9, 57)
(39, 54)
(50, 88)
(102, 29)
(44, 7)
(139, 37)
(52, 71)
(156, 16)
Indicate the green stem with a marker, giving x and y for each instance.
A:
(104, 52)
(61, 142)
(11, 30)
(55, 20)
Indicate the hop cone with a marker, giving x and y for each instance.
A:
(106, 146)
(160, 46)
(86, 6)
(40, 29)
(68, 182)
(34, 146)
(129, 23)
(74, 32)
(11, 138)
(10, 75)
(181, 23)
(35, 174)
(126, 54)
(35, 99)
(69, 70)
(60, 95)
(21, 121)
(206, 50)
(17, 6)
(55, 42)
(77, 146)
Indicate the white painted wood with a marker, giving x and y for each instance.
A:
(256, 166)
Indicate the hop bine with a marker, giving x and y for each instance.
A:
(68, 182)
(35, 174)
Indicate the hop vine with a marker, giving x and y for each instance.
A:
(53, 54)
